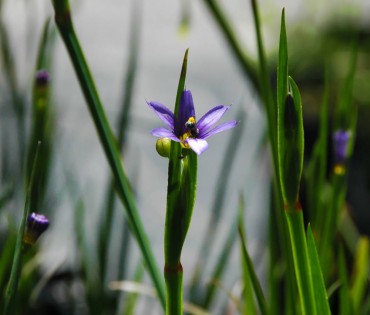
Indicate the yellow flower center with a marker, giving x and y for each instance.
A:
(191, 132)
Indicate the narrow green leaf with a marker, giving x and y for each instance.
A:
(265, 88)
(345, 302)
(299, 124)
(345, 109)
(6, 258)
(173, 234)
(12, 288)
(217, 205)
(346, 120)
(248, 306)
(63, 20)
(290, 125)
(181, 190)
(301, 262)
(321, 297)
(221, 263)
(317, 168)
(361, 273)
(250, 272)
(123, 126)
(282, 70)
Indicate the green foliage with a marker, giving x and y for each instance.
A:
(318, 260)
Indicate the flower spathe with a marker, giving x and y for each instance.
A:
(185, 129)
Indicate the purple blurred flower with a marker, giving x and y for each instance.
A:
(35, 226)
(185, 128)
(42, 77)
(340, 143)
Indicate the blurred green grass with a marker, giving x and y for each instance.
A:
(323, 56)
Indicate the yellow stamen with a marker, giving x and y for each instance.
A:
(339, 169)
(183, 138)
(191, 120)
(190, 126)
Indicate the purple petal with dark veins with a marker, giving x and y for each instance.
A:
(210, 118)
(197, 145)
(162, 132)
(222, 127)
(186, 110)
(163, 113)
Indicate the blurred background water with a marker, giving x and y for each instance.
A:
(214, 78)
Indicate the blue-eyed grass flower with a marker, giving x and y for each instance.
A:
(185, 129)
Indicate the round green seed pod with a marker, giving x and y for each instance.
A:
(163, 147)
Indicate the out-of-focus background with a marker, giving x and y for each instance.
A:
(214, 77)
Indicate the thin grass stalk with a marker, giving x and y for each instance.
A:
(345, 303)
(320, 294)
(65, 26)
(10, 298)
(181, 191)
(251, 273)
(346, 120)
(42, 121)
(361, 273)
(217, 206)
(123, 126)
(220, 265)
(282, 225)
(316, 174)
(16, 97)
(294, 217)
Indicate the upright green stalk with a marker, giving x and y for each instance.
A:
(12, 288)
(290, 141)
(64, 22)
(181, 190)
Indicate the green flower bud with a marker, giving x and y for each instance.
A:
(35, 226)
(163, 147)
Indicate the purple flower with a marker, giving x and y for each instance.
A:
(340, 143)
(35, 226)
(185, 128)
(42, 77)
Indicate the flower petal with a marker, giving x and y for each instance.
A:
(222, 127)
(162, 132)
(197, 145)
(163, 113)
(186, 110)
(211, 117)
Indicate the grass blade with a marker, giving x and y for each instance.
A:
(249, 269)
(11, 290)
(361, 273)
(123, 126)
(217, 205)
(301, 263)
(221, 265)
(345, 303)
(321, 297)
(64, 22)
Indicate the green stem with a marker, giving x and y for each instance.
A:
(12, 288)
(64, 23)
(294, 217)
(329, 225)
(173, 277)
